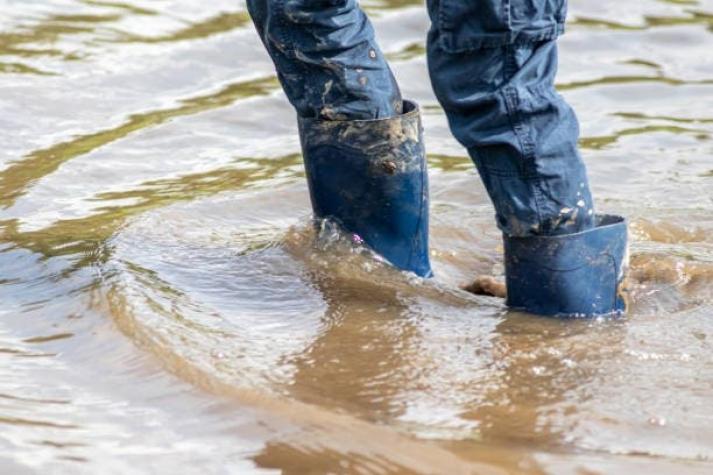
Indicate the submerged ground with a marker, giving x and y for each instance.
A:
(165, 306)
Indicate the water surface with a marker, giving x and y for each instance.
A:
(165, 304)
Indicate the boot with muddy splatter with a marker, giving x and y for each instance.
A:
(370, 177)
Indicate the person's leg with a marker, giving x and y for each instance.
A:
(326, 58)
(498, 93)
(361, 143)
(492, 64)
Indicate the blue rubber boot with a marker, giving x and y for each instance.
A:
(571, 275)
(370, 176)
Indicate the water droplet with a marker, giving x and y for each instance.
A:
(538, 370)
(657, 421)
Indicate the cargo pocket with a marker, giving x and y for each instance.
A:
(466, 25)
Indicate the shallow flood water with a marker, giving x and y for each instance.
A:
(165, 304)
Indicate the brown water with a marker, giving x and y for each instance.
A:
(165, 308)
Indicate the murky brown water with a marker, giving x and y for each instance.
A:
(165, 308)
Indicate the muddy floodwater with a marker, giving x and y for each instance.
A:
(166, 306)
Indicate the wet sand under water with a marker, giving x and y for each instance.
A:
(167, 306)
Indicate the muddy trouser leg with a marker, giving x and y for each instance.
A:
(326, 58)
(361, 143)
(492, 64)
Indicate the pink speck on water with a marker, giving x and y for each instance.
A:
(356, 239)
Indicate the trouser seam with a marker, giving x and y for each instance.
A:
(512, 101)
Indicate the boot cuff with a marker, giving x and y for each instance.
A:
(574, 275)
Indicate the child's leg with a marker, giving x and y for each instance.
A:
(327, 58)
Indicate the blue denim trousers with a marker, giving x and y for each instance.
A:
(492, 64)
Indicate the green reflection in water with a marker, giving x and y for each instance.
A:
(694, 17)
(603, 141)
(640, 116)
(411, 51)
(680, 2)
(449, 163)
(629, 79)
(642, 62)
(15, 179)
(122, 6)
(17, 421)
(212, 26)
(606, 24)
(432, 108)
(19, 68)
(85, 237)
(23, 42)
(33, 41)
(86, 18)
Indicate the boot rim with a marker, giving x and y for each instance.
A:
(603, 221)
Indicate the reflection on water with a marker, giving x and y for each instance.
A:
(168, 304)
(212, 26)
